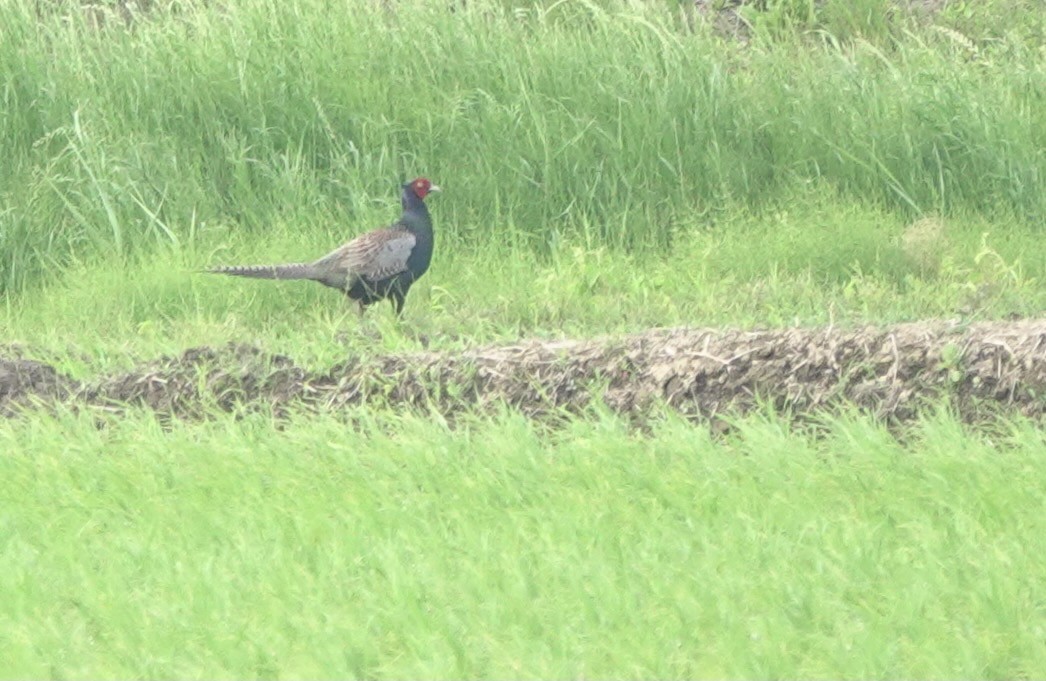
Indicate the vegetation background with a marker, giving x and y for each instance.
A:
(608, 166)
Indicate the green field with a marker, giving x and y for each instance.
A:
(607, 167)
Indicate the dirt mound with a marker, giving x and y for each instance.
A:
(24, 382)
(202, 379)
(891, 372)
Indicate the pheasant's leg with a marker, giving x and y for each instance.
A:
(397, 302)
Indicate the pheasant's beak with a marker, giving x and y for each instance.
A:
(435, 188)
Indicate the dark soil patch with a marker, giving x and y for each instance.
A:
(891, 372)
(25, 382)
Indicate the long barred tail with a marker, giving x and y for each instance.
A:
(299, 270)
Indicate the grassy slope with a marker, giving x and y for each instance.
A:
(409, 550)
(813, 263)
(605, 172)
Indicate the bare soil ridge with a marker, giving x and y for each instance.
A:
(891, 371)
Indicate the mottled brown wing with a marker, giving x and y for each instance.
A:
(375, 255)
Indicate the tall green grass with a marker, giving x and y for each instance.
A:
(613, 124)
(607, 168)
(494, 550)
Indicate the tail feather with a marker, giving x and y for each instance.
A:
(290, 271)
